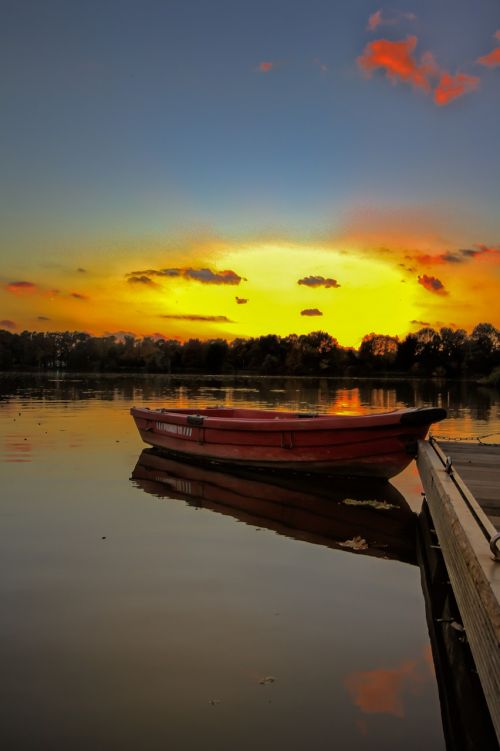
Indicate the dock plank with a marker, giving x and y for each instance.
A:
(463, 531)
(479, 466)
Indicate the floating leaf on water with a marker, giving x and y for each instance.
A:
(267, 680)
(379, 505)
(357, 543)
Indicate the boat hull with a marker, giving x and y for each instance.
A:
(360, 446)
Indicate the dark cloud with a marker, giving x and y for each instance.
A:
(42, 318)
(432, 284)
(420, 323)
(142, 279)
(458, 256)
(78, 296)
(241, 300)
(205, 276)
(82, 271)
(194, 317)
(7, 324)
(318, 281)
(311, 312)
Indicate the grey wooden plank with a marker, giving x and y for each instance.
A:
(474, 576)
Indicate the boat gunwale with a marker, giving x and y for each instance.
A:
(288, 421)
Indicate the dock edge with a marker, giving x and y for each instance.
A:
(474, 574)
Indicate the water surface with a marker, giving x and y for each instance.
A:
(178, 609)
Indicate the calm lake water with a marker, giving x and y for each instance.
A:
(147, 604)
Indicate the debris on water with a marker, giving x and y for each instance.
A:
(378, 505)
(267, 680)
(103, 538)
(357, 543)
(214, 702)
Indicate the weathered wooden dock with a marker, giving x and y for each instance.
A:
(462, 487)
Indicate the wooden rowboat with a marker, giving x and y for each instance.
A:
(370, 445)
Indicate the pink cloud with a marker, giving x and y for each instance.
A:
(265, 67)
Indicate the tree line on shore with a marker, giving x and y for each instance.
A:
(445, 352)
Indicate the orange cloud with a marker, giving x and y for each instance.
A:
(432, 284)
(265, 67)
(491, 60)
(311, 312)
(450, 87)
(318, 281)
(458, 256)
(19, 288)
(7, 324)
(398, 62)
(78, 296)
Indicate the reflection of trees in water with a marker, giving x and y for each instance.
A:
(324, 394)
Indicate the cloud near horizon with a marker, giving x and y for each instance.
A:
(241, 300)
(141, 279)
(194, 317)
(318, 281)
(311, 312)
(20, 287)
(8, 324)
(432, 284)
(205, 275)
(463, 255)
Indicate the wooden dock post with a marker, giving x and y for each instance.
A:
(463, 531)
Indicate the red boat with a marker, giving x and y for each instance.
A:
(371, 445)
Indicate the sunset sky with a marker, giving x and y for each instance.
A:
(227, 168)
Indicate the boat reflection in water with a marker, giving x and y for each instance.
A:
(370, 517)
